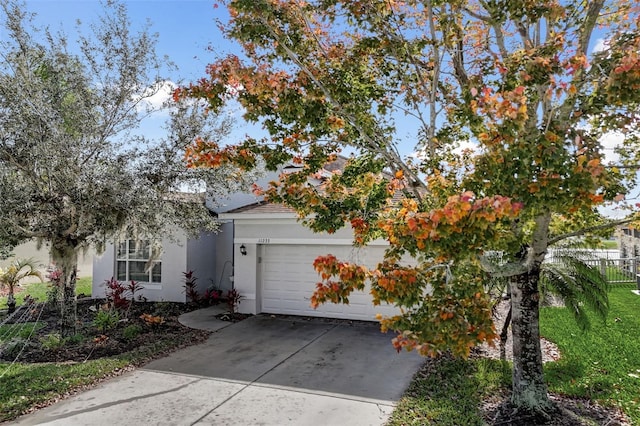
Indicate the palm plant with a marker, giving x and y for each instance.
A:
(573, 277)
(17, 271)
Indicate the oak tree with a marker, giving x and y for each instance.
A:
(518, 83)
(75, 169)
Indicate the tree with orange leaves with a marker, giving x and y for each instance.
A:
(515, 80)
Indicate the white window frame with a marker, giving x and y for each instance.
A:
(134, 253)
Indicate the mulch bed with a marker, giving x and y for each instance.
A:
(96, 343)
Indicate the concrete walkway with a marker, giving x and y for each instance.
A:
(265, 370)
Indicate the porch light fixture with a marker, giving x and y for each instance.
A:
(243, 250)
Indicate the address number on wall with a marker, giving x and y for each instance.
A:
(264, 240)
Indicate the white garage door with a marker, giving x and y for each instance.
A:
(288, 281)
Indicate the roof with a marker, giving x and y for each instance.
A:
(265, 208)
(262, 207)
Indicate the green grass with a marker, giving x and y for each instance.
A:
(608, 244)
(617, 276)
(604, 363)
(38, 291)
(26, 386)
(23, 386)
(449, 392)
(24, 330)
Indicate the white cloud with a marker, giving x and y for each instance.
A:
(154, 97)
(609, 142)
(601, 45)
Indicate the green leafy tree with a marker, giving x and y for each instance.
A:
(515, 81)
(74, 171)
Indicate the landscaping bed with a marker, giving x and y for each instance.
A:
(123, 332)
(39, 367)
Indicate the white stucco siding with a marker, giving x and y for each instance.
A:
(224, 257)
(201, 255)
(174, 263)
(103, 269)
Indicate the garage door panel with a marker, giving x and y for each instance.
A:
(288, 281)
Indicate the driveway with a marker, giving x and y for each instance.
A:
(265, 370)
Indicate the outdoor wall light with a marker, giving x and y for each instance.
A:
(243, 250)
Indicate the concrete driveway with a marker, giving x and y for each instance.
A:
(264, 370)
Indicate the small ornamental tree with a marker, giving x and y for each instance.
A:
(15, 272)
(516, 81)
(73, 170)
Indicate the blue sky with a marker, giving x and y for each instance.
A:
(187, 33)
(186, 28)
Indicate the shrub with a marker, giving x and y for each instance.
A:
(212, 296)
(152, 320)
(106, 319)
(132, 331)
(54, 286)
(116, 293)
(52, 341)
(12, 349)
(233, 300)
(190, 287)
(121, 295)
(76, 339)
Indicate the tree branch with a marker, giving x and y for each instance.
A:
(591, 229)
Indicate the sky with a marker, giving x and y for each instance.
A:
(186, 28)
(187, 33)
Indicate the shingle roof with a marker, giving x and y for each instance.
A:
(262, 207)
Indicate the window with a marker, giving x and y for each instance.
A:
(133, 258)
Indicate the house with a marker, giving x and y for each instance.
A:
(262, 251)
(628, 241)
(273, 264)
(40, 255)
(210, 257)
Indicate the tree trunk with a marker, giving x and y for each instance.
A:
(529, 395)
(65, 257)
(11, 302)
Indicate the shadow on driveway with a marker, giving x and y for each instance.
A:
(265, 370)
(310, 354)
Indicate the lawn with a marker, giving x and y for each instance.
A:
(38, 291)
(449, 392)
(602, 364)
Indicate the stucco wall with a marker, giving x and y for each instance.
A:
(201, 255)
(174, 263)
(224, 256)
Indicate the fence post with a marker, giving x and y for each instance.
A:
(603, 267)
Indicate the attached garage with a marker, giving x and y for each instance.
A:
(273, 264)
(287, 281)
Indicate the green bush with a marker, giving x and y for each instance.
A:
(52, 341)
(131, 331)
(106, 319)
